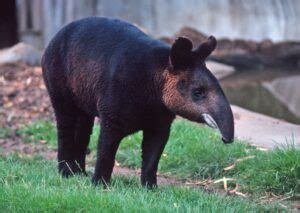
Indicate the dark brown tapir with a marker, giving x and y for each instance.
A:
(110, 69)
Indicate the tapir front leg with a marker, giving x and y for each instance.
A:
(108, 144)
(154, 141)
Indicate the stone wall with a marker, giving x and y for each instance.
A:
(247, 19)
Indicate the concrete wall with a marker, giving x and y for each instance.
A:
(248, 19)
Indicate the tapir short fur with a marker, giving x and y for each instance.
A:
(107, 68)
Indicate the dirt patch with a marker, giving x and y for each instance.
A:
(17, 146)
(23, 96)
(23, 99)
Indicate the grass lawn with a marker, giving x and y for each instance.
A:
(33, 185)
(197, 153)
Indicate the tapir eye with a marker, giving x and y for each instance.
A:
(198, 94)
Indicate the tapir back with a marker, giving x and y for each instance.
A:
(99, 58)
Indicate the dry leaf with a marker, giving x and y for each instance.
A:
(28, 81)
(238, 160)
(224, 180)
(229, 167)
(43, 141)
(225, 183)
(203, 183)
(117, 163)
(262, 149)
(241, 194)
(259, 147)
(245, 158)
(8, 105)
(221, 180)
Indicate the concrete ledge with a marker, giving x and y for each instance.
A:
(264, 131)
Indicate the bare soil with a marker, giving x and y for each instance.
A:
(23, 99)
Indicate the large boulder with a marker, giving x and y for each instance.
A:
(20, 52)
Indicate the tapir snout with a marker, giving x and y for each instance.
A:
(221, 117)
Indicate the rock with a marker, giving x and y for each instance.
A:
(264, 131)
(243, 54)
(220, 70)
(246, 54)
(287, 91)
(20, 52)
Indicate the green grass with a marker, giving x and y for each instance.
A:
(39, 131)
(277, 171)
(5, 132)
(33, 185)
(195, 152)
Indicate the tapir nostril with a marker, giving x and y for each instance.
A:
(226, 141)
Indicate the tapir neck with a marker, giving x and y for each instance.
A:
(160, 65)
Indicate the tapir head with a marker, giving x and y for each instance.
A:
(191, 90)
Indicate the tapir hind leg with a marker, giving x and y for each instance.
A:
(83, 131)
(73, 134)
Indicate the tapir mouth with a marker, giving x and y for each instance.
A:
(210, 121)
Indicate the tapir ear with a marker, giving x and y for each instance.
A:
(206, 48)
(181, 52)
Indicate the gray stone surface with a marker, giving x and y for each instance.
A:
(20, 52)
(264, 131)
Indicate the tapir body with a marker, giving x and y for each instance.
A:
(107, 68)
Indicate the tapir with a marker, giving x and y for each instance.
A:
(110, 69)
